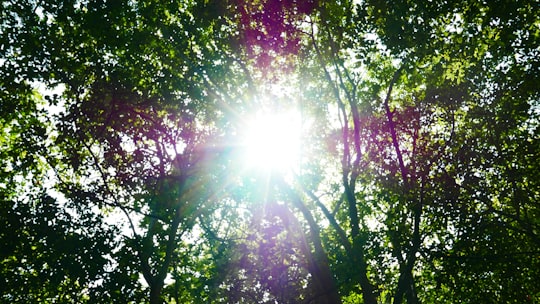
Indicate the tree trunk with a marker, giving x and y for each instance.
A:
(323, 276)
(155, 293)
(319, 266)
(367, 289)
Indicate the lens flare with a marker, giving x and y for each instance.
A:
(273, 141)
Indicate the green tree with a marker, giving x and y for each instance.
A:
(417, 180)
(406, 92)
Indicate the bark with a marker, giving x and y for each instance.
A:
(319, 265)
(358, 259)
(155, 293)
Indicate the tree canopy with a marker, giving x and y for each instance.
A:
(269, 151)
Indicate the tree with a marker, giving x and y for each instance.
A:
(417, 173)
(405, 143)
(124, 143)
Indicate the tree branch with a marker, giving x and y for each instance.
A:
(341, 233)
(392, 127)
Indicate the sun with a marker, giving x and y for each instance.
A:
(272, 141)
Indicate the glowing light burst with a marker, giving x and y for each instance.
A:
(273, 141)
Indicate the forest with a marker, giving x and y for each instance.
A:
(269, 151)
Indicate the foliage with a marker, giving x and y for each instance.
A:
(124, 176)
